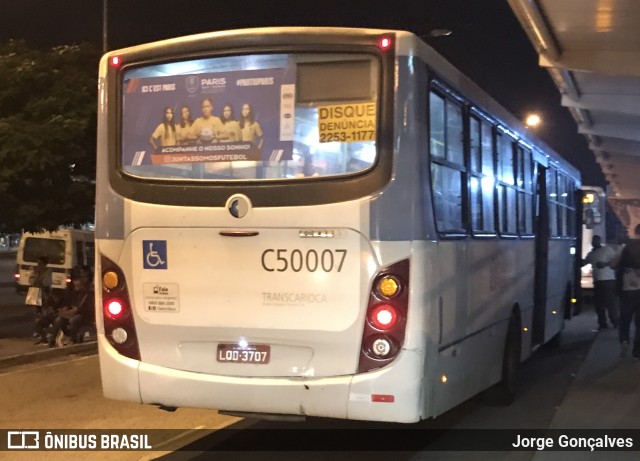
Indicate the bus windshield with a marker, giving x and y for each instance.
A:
(251, 117)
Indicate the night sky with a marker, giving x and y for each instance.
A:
(487, 42)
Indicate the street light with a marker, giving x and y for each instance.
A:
(533, 120)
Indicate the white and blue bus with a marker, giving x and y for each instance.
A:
(320, 222)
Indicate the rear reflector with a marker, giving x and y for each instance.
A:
(383, 398)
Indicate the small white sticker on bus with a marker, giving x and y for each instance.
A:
(161, 297)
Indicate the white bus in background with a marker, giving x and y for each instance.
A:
(64, 248)
(594, 209)
(386, 243)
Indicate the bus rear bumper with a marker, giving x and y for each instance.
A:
(389, 394)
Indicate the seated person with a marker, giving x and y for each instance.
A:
(49, 312)
(77, 309)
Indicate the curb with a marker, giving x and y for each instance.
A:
(87, 348)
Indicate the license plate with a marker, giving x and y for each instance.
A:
(252, 353)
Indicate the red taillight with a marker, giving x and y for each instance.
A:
(16, 276)
(384, 43)
(116, 61)
(114, 308)
(384, 330)
(384, 317)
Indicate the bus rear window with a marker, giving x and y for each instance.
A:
(252, 117)
(35, 248)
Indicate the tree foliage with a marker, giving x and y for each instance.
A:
(47, 136)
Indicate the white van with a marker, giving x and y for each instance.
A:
(65, 248)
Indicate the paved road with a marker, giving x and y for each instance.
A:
(68, 395)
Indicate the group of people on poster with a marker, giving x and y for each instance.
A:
(208, 128)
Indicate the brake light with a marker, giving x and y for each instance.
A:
(387, 310)
(383, 317)
(115, 308)
(116, 61)
(119, 324)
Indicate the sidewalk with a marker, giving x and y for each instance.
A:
(605, 395)
(20, 351)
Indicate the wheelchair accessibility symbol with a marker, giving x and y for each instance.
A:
(154, 254)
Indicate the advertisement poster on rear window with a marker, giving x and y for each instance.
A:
(208, 117)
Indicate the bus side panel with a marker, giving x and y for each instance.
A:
(458, 376)
(560, 276)
(471, 312)
(481, 283)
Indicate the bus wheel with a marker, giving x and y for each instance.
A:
(505, 389)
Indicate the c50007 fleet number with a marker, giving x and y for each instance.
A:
(281, 260)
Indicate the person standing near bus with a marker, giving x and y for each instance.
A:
(165, 133)
(629, 262)
(207, 127)
(604, 282)
(41, 278)
(251, 130)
